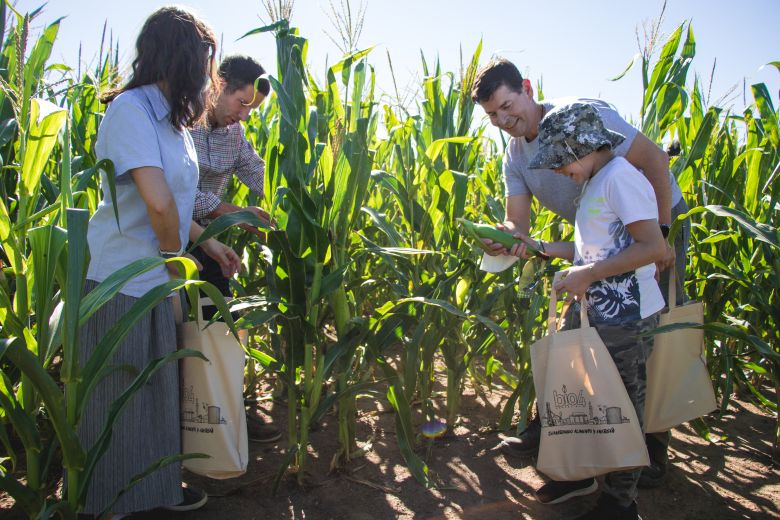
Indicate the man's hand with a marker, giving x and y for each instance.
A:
(227, 207)
(264, 217)
(518, 249)
(227, 259)
(575, 280)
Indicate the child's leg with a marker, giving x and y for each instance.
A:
(629, 350)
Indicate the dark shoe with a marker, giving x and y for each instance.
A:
(555, 492)
(258, 431)
(655, 474)
(194, 498)
(607, 508)
(652, 476)
(526, 444)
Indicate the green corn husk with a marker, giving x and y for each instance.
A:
(479, 231)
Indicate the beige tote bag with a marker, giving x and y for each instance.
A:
(213, 419)
(679, 388)
(589, 425)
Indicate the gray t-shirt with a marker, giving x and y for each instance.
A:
(137, 132)
(557, 192)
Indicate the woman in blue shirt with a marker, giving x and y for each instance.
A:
(144, 133)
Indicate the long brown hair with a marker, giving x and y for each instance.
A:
(172, 48)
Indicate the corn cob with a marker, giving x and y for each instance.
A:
(479, 231)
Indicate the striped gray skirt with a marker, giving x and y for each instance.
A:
(148, 428)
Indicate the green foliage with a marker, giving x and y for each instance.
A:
(727, 170)
(366, 285)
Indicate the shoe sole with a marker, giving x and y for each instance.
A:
(512, 452)
(650, 482)
(189, 507)
(571, 494)
(266, 440)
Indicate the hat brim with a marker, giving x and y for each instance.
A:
(552, 155)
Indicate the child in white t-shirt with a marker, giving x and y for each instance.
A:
(617, 241)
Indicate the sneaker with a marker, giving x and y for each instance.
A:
(194, 498)
(609, 508)
(526, 444)
(258, 431)
(555, 492)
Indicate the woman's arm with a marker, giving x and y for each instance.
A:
(160, 205)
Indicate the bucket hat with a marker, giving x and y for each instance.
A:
(570, 132)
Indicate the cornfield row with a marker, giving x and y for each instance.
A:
(367, 288)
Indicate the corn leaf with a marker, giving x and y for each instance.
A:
(46, 120)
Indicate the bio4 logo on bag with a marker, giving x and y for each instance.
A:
(569, 408)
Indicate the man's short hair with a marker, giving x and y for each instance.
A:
(496, 72)
(238, 71)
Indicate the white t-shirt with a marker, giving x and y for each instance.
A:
(616, 196)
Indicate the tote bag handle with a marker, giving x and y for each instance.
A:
(178, 311)
(552, 313)
(672, 287)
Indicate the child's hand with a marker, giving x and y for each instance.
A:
(575, 280)
(520, 249)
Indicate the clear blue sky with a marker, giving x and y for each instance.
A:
(574, 46)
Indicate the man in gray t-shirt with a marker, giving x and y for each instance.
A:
(507, 98)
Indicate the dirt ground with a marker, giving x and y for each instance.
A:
(734, 479)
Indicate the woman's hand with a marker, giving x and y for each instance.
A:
(575, 280)
(227, 259)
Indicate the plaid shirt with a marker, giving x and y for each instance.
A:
(221, 153)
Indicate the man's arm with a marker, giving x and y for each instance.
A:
(654, 163)
(250, 168)
(206, 204)
(518, 213)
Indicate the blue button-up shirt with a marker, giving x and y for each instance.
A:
(137, 132)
